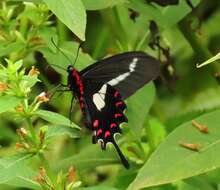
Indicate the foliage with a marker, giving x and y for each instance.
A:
(171, 140)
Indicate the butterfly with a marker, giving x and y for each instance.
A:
(102, 87)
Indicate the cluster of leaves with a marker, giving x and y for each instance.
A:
(36, 151)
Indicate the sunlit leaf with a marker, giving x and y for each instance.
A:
(72, 13)
(171, 162)
(12, 166)
(8, 102)
(101, 4)
(55, 118)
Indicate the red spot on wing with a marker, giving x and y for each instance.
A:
(96, 123)
(117, 115)
(107, 133)
(99, 132)
(116, 94)
(112, 125)
(119, 103)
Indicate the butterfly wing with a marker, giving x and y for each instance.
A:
(126, 72)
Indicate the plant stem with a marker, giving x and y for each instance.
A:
(195, 42)
(31, 129)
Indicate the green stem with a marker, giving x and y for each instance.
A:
(31, 129)
(24, 27)
(196, 43)
(47, 168)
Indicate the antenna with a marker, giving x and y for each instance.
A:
(77, 54)
(57, 66)
(52, 40)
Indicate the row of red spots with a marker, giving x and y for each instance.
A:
(116, 94)
(117, 115)
(119, 103)
(107, 134)
(96, 123)
(113, 125)
(99, 132)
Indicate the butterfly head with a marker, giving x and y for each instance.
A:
(70, 68)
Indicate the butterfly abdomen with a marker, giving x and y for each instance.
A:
(76, 86)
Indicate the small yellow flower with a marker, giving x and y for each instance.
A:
(33, 71)
(20, 109)
(41, 177)
(72, 175)
(3, 86)
(19, 146)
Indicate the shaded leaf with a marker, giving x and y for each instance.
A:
(164, 17)
(138, 108)
(170, 162)
(90, 157)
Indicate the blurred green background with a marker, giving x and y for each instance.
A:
(41, 149)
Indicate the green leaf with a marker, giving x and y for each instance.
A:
(8, 102)
(53, 131)
(171, 162)
(25, 179)
(99, 187)
(72, 13)
(211, 60)
(163, 16)
(11, 47)
(101, 4)
(138, 108)
(55, 118)
(12, 166)
(90, 157)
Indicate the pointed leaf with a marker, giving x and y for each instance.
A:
(55, 118)
(72, 13)
(8, 102)
(12, 166)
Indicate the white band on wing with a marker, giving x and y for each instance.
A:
(99, 97)
(123, 76)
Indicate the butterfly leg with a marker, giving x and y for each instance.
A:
(71, 109)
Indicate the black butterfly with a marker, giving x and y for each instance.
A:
(102, 87)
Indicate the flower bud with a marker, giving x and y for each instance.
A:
(33, 71)
(43, 97)
(21, 132)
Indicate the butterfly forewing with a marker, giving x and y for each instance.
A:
(126, 72)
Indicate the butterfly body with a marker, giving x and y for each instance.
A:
(102, 87)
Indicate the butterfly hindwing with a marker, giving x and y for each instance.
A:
(126, 72)
(106, 109)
